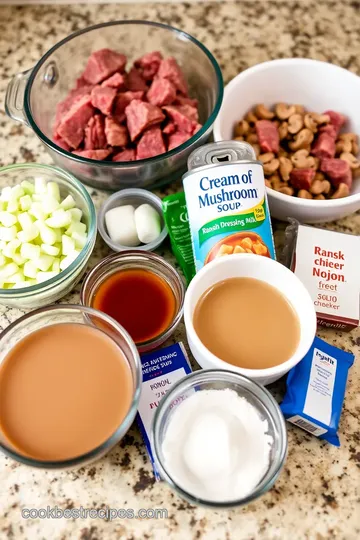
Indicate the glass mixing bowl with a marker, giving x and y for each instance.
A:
(32, 97)
(55, 288)
(256, 395)
(41, 318)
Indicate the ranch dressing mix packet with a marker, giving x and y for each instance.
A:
(226, 202)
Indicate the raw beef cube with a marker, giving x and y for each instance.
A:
(72, 125)
(184, 116)
(103, 97)
(169, 128)
(268, 136)
(135, 81)
(337, 170)
(95, 134)
(115, 81)
(302, 178)
(151, 144)
(94, 154)
(181, 100)
(162, 92)
(126, 155)
(65, 105)
(170, 69)
(102, 64)
(324, 146)
(122, 101)
(336, 119)
(80, 82)
(60, 142)
(116, 134)
(330, 130)
(177, 138)
(196, 128)
(141, 115)
(149, 64)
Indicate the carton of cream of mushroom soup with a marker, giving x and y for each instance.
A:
(226, 202)
(327, 262)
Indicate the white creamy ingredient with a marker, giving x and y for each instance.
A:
(216, 446)
(147, 221)
(120, 224)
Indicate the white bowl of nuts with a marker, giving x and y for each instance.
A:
(303, 119)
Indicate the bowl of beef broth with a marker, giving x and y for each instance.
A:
(249, 314)
(70, 380)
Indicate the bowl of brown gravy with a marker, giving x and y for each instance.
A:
(70, 380)
(249, 314)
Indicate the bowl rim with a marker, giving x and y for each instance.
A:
(218, 363)
(86, 250)
(224, 375)
(132, 164)
(143, 194)
(128, 419)
(139, 254)
(305, 203)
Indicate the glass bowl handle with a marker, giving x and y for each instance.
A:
(14, 99)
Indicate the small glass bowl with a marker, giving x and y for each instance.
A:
(144, 260)
(255, 394)
(55, 288)
(136, 197)
(47, 316)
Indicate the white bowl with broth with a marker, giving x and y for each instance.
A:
(287, 298)
(319, 86)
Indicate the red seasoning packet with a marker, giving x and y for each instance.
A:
(328, 264)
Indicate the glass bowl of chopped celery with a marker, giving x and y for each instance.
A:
(47, 234)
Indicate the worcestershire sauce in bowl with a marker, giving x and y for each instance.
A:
(140, 300)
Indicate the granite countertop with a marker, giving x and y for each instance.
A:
(317, 495)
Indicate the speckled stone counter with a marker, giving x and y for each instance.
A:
(317, 496)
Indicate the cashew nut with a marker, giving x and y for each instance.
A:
(263, 112)
(304, 194)
(268, 156)
(319, 197)
(251, 138)
(343, 146)
(296, 122)
(348, 137)
(355, 148)
(299, 109)
(239, 138)
(321, 118)
(251, 118)
(310, 122)
(350, 159)
(285, 168)
(320, 186)
(356, 172)
(241, 128)
(275, 181)
(286, 190)
(268, 183)
(342, 191)
(283, 130)
(284, 111)
(271, 167)
(302, 160)
(302, 139)
(319, 176)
